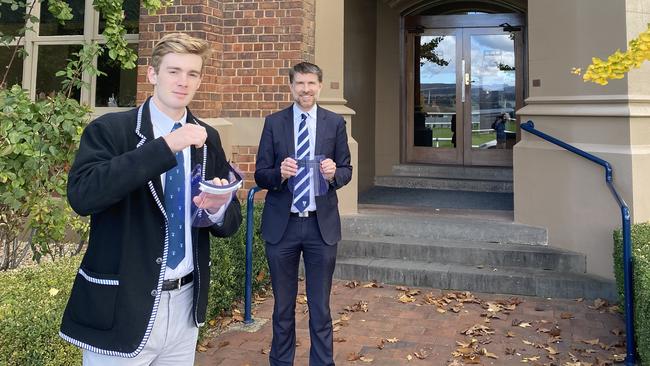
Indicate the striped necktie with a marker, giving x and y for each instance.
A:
(303, 182)
(175, 209)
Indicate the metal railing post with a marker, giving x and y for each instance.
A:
(248, 294)
(630, 359)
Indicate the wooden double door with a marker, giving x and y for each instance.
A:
(464, 85)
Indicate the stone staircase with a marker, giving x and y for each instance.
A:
(459, 248)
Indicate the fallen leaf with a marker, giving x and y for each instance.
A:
(422, 354)
(338, 339)
(402, 288)
(354, 356)
(301, 299)
(366, 359)
(592, 342)
(566, 316)
(372, 284)
(485, 352)
(551, 350)
(511, 334)
(265, 351)
(53, 291)
(405, 298)
(201, 348)
(237, 318)
(260, 276)
(352, 284)
(392, 340)
(524, 325)
(529, 359)
(409, 357)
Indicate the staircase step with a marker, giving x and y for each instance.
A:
(443, 228)
(444, 183)
(488, 255)
(504, 280)
(453, 172)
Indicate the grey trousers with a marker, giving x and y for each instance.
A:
(172, 340)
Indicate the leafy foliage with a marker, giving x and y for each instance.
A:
(619, 63)
(229, 266)
(640, 235)
(428, 52)
(37, 143)
(33, 300)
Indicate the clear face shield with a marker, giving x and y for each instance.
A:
(319, 183)
(204, 190)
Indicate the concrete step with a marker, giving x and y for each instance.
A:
(453, 172)
(442, 228)
(444, 183)
(503, 280)
(469, 253)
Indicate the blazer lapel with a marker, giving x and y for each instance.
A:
(321, 125)
(146, 130)
(288, 132)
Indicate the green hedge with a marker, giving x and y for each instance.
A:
(30, 313)
(641, 283)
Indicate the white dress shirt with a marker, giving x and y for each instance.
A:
(311, 127)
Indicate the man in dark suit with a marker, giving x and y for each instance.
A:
(300, 220)
(140, 293)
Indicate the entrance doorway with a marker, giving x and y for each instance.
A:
(464, 85)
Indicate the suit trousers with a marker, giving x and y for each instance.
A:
(172, 340)
(301, 236)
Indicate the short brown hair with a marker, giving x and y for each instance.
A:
(179, 43)
(305, 68)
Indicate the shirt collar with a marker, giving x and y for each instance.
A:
(162, 123)
(297, 111)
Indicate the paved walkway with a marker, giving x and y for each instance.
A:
(390, 325)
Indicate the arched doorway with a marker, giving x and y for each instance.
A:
(464, 81)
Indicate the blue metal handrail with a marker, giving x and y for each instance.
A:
(630, 358)
(248, 293)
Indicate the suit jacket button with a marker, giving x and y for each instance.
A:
(158, 260)
(154, 293)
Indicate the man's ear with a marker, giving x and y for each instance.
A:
(151, 75)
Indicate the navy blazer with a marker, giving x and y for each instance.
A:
(277, 143)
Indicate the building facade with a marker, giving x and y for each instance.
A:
(433, 82)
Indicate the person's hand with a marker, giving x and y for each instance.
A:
(187, 135)
(288, 168)
(213, 202)
(328, 169)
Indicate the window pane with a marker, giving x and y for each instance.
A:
(11, 20)
(49, 26)
(15, 75)
(131, 17)
(50, 60)
(116, 88)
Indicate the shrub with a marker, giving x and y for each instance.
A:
(228, 255)
(641, 283)
(32, 299)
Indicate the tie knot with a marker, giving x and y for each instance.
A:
(177, 125)
(303, 117)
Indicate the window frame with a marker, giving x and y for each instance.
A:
(32, 41)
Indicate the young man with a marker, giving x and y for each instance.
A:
(141, 290)
(298, 220)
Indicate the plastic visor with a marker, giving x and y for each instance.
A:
(199, 216)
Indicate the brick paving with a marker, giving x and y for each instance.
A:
(589, 332)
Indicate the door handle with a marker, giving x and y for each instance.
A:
(462, 89)
(467, 79)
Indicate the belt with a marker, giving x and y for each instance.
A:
(303, 214)
(175, 284)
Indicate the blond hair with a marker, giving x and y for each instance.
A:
(179, 43)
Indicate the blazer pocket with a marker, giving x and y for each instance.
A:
(93, 300)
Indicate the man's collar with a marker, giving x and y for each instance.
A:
(160, 117)
(312, 112)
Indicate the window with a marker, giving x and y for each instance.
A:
(51, 44)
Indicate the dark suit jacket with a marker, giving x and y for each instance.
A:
(115, 179)
(277, 143)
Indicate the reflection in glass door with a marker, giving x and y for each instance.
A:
(434, 133)
(493, 91)
(465, 94)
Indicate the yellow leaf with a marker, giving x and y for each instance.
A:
(53, 291)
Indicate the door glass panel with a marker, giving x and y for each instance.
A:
(493, 92)
(434, 114)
